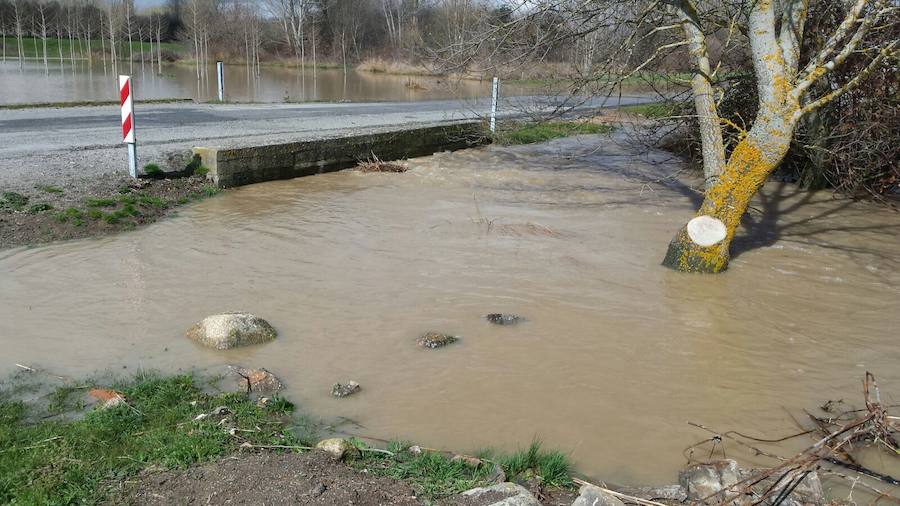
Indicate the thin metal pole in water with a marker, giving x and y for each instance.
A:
(220, 72)
(495, 96)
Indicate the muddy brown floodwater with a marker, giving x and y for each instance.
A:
(618, 353)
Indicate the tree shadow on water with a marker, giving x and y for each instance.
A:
(783, 212)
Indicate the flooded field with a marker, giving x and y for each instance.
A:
(67, 82)
(617, 355)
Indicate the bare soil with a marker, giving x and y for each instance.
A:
(71, 211)
(268, 478)
(271, 478)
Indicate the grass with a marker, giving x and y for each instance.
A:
(13, 200)
(208, 191)
(73, 215)
(88, 103)
(552, 467)
(49, 456)
(656, 110)
(153, 170)
(34, 48)
(39, 208)
(49, 189)
(124, 210)
(100, 202)
(157, 202)
(434, 475)
(528, 133)
(68, 462)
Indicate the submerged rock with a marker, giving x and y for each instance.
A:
(339, 390)
(504, 319)
(229, 330)
(256, 380)
(435, 340)
(502, 494)
(591, 495)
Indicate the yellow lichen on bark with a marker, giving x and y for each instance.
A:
(746, 171)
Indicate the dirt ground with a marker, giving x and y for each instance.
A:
(281, 478)
(267, 478)
(101, 206)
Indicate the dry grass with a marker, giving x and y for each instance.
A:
(379, 166)
(382, 66)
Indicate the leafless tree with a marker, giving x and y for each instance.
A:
(765, 34)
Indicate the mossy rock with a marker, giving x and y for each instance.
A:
(230, 330)
(434, 340)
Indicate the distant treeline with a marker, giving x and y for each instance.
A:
(302, 32)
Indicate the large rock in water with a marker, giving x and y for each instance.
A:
(592, 495)
(230, 330)
(712, 482)
(702, 481)
(502, 494)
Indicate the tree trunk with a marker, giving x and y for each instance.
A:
(703, 244)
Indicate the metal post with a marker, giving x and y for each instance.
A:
(220, 73)
(132, 159)
(495, 96)
(126, 93)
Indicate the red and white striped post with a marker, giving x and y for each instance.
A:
(125, 93)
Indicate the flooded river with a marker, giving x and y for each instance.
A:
(617, 355)
(32, 82)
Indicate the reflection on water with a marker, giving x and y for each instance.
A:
(68, 82)
(617, 354)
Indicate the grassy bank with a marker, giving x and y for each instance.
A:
(34, 47)
(107, 205)
(529, 133)
(57, 451)
(657, 110)
(51, 461)
(89, 103)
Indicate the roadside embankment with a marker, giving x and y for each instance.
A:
(101, 206)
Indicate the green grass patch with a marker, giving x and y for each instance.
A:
(149, 200)
(126, 199)
(209, 191)
(528, 133)
(656, 110)
(87, 103)
(49, 189)
(153, 170)
(434, 475)
(39, 208)
(201, 170)
(13, 200)
(34, 48)
(73, 215)
(100, 202)
(74, 462)
(552, 467)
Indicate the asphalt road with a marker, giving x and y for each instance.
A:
(45, 146)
